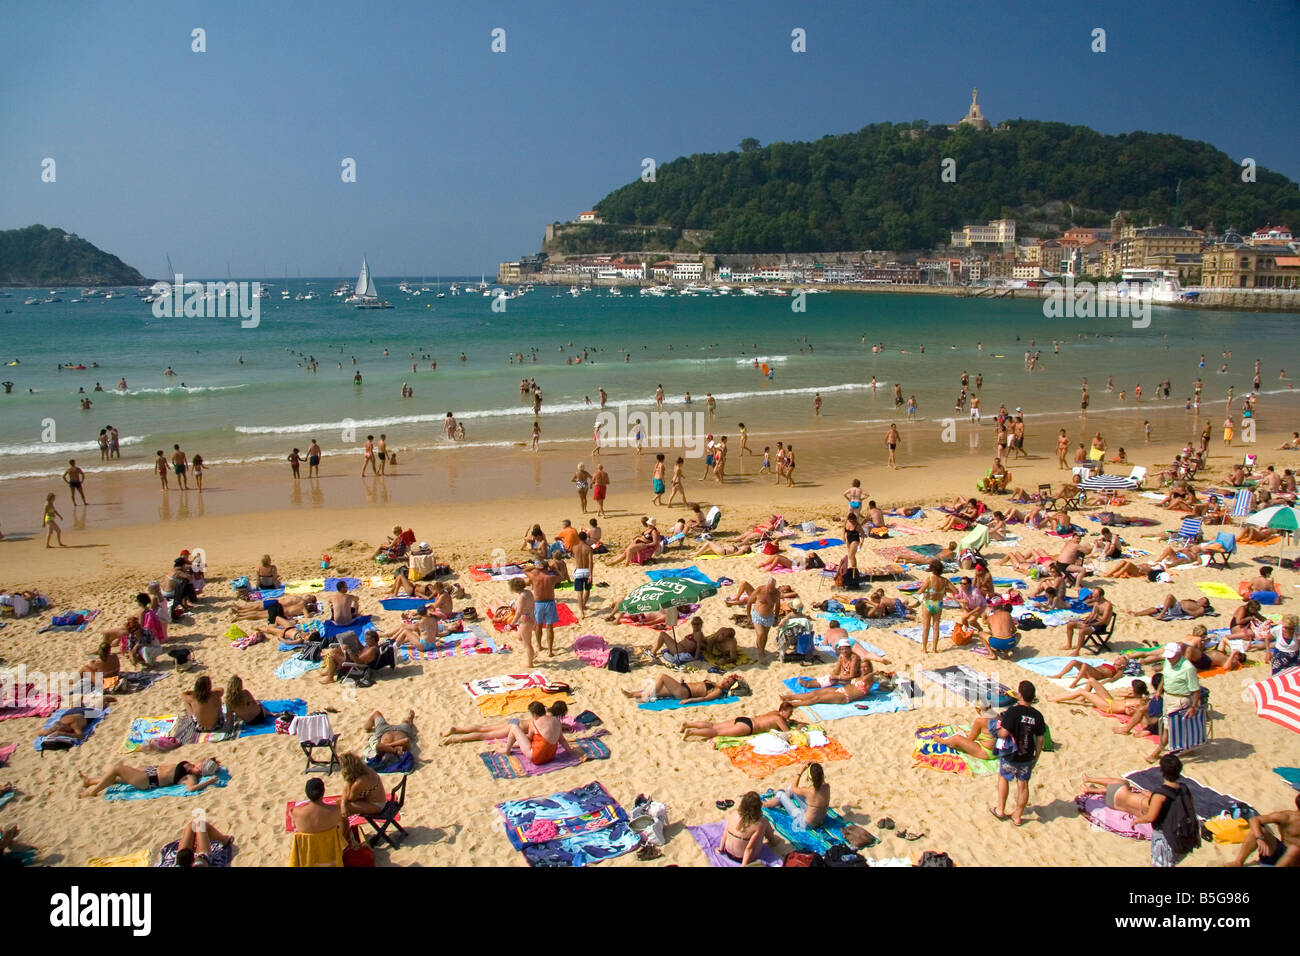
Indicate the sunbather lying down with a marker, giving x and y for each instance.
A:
(848, 693)
(476, 732)
(69, 725)
(194, 843)
(778, 719)
(1119, 794)
(1172, 609)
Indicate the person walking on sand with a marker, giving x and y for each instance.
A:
(160, 468)
(51, 525)
(537, 434)
(198, 465)
(891, 442)
(817, 405)
(179, 465)
(1026, 729)
(677, 487)
(74, 477)
(657, 481)
(789, 466)
(582, 483)
(542, 581)
(381, 455)
(295, 462)
(600, 488)
(595, 438)
(582, 572)
(313, 460)
(368, 456)
(744, 441)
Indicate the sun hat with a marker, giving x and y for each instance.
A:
(1172, 650)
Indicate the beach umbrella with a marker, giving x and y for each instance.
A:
(666, 592)
(1108, 483)
(1282, 518)
(1278, 698)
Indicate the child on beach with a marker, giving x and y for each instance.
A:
(767, 460)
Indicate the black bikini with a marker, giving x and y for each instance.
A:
(747, 722)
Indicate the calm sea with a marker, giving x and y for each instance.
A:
(259, 408)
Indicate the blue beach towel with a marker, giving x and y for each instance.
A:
(818, 544)
(93, 717)
(874, 703)
(672, 704)
(404, 603)
(124, 791)
(294, 705)
(1290, 774)
(830, 833)
(295, 667)
(331, 584)
(690, 574)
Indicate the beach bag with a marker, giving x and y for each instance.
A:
(1225, 829)
(962, 635)
(770, 548)
(935, 858)
(240, 583)
(814, 561)
(359, 856)
(845, 576)
(619, 660)
(841, 855)
(879, 532)
(803, 859)
(235, 633)
(1030, 622)
(1180, 826)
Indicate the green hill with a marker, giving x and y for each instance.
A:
(880, 188)
(36, 256)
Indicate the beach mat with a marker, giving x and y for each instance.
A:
(295, 667)
(404, 603)
(93, 718)
(1209, 803)
(819, 640)
(504, 683)
(562, 611)
(138, 858)
(876, 702)
(33, 704)
(914, 633)
(144, 730)
(6, 752)
(572, 828)
(707, 836)
(88, 615)
(122, 791)
(517, 764)
(818, 544)
(1216, 589)
(219, 855)
(819, 840)
(1094, 809)
(743, 757)
(495, 572)
(970, 685)
(451, 647)
(517, 701)
(928, 753)
(1290, 774)
(671, 703)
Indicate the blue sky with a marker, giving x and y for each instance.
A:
(463, 155)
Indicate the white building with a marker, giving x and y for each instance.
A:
(999, 232)
(688, 271)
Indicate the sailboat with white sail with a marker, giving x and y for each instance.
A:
(366, 293)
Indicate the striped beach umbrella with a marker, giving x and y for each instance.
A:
(1282, 518)
(1278, 698)
(1108, 483)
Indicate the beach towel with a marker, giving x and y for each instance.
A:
(295, 667)
(592, 650)
(633, 620)
(819, 544)
(876, 702)
(743, 658)
(1049, 618)
(907, 529)
(6, 752)
(495, 572)
(672, 703)
(929, 753)
(7, 796)
(563, 612)
(1215, 589)
(504, 683)
(453, 645)
(219, 855)
(28, 702)
(708, 837)
(124, 791)
(1093, 807)
(265, 594)
(914, 633)
(141, 680)
(744, 757)
(819, 640)
(1209, 802)
(387, 764)
(291, 705)
(87, 618)
(1290, 774)
(851, 623)
(691, 573)
(138, 858)
(63, 741)
(331, 584)
(404, 603)
(971, 685)
(145, 730)
(361, 624)
(572, 828)
(819, 840)
(517, 701)
(305, 587)
(518, 764)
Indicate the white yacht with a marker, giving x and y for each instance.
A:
(366, 294)
(1162, 285)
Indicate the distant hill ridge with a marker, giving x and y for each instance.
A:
(37, 256)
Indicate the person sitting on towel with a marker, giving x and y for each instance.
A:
(267, 574)
(544, 737)
(817, 798)
(242, 704)
(204, 704)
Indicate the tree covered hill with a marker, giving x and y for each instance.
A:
(881, 188)
(37, 256)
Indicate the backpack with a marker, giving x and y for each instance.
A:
(1030, 622)
(619, 660)
(845, 576)
(841, 855)
(1180, 824)
(803, 859)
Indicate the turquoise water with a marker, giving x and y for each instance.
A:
(261, 408)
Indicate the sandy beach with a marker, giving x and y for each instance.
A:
(449, 812)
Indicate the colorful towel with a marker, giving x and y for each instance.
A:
(851, 623)
(709, 836)
(592, 650)
(761, 765)
(691, 573)
(292, 705)
(295, 667)
(819, 840)
(572, 828)
(517, 701)
(562, 611)
(504, 683)
(1209, 803)
(1049, 618)
(914, 633)
(219, 855)
(6, 752)
(517, 764)
(124, 791)
(88, 615)
(969, 684)
(32, 704)
(62, 742)
(819, 544)
(1290, 774)
(138, 858)
(495, 572)
(144, 730)
(361, 624)
(1093, 806)
(452, 646)
(265, 594)
(929, 753)
(874, 703)
(7, 796)
(1215, 589)
(671, 703)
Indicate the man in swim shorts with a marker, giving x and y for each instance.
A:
(763, 604)
(582, 565)
(313, 460)
(542, 581)
(179, 464)
(74, 476)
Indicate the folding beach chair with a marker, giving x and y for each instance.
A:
(315, 733)
(1189, 732)
(1241, 503)
(1100, 643)
(1226, 543)
(381, 821)
(363, 675)
(1051, 501)
(1138, 474)
(1189, 532)
(712, 518)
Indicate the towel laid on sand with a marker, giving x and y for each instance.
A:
(404, 603)
(517, 764)
(592, 650)
(562, 611)
(971, 685)
(744, 757)
(671, 703)
(929, 753)
(876, 702)
(503, 683)
(473, 640)
(138, 858)
(1216, 589)
(6, 752)
(914, 633)
(819, 641)
(517, 701)
(1093, 807)
(295, 667)
(124, 791)
(573, 828)
(28, 703)
(356, 820)
(145, 730)
(691, 573)
(1209, 802)
(1290, 774)
(63, 742)
(818, 840)
(709, 835)
(495, 572)
(219, 855)
(88, 617)
(818, 544)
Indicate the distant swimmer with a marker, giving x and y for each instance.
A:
(169, 371)
(356, 379)
(7, 386)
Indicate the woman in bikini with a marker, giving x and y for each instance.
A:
(204, 704)
(721, 550)
(48, 517)
(195, 776)
(363, 788)
(1097, 695)
(243, 704)
(778, 719)
(582, 483)
(847, 693)
(1119, 794)
(664, 686)
(853, 536)
(1102, 672)
(521, 616)
(476, 732)
(103, 662)
(745, 829)
(267, 575)
(978, 741)
(937, 587)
